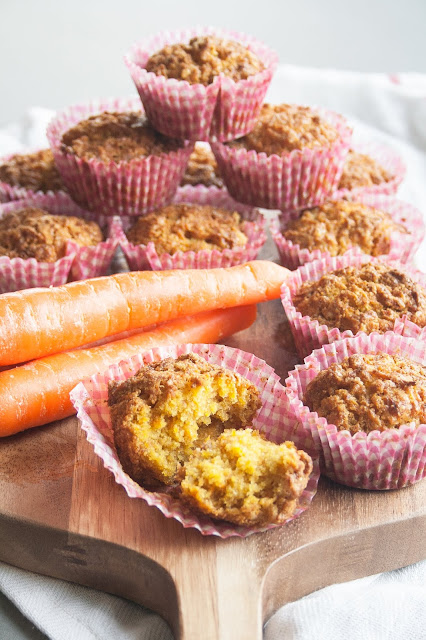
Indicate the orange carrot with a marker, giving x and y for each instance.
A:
(39, 322)
(38, 392)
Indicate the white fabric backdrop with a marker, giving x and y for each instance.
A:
(386, 607)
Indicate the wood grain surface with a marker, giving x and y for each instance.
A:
(63, 515)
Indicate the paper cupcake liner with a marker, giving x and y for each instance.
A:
(223, 110)
(308, 334)
(125, 188)
(140, 257)
(390, 459)
(79, 262)
(294, 180)
(90, 400)
(387, 158)
(403, 246)
(10, 192)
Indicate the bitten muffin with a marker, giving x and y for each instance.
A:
(282, 128)
(361, 170)
(189, 227)
(367, 298)
(202, 168)
(116, 137)
(34, 171)
(243, 478)
(368, 392)
(203, 59)
(335, 226)
(35, 233)
(169, 407)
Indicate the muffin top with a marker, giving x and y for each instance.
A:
(116, 137)
(189, 227)
(202, 168)
(203, 59)
(360, 170)
(368, 392)
(335, 226)
(281, 128)
(367, 298)
(35, 233)
(243, 478)
(36, 171)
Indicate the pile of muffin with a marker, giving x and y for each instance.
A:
(176, 180)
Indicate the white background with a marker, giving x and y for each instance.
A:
(54, 53)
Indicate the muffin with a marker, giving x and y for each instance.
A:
(202, 168)
(334, 298)
(367, 298)
(360, 170)
(203, 59)
(24, 174)
(369, 392)
(362, 402)
(243, 478)
(113, 161)
(292, 158)
(31, 232)
(202, 83)
(170, 407)
(203, 228)
(375, 225)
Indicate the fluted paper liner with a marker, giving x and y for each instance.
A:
(391, 459)
(90, 400)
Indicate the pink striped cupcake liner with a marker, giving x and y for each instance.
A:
(295, 180)
(403, 246)
(391, 459)
(223, 110)
(90, 401)
(387, 158)
(308, 334)
(125, 188)
(10, 192)
(140, 257)
(78, 263)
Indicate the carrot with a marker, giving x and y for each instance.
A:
(39, 322)
(38, 392)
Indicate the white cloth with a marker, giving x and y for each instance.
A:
(386, 607)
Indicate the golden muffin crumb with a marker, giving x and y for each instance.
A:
(116, 137)
(360, 170)
(202, 168)
(368, 392)
(35, 171)
(243, 478)
(367, 298)
(335, 226)
(203, 59)
(281, 128)
(188, 227)
(169, 407)
(34, 233)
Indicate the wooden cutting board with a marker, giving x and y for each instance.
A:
(63, 515)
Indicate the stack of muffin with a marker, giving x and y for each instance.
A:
(177, 183)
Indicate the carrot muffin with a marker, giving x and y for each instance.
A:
(282, 128)
(34, 171)
(367, 298)
(336, 226)
(35, 233)
(202, 168)
(361, 170)
(203, 59)
(163, 412)
(116, 137)
(189, 227)
(243, 478)
(369, 392)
